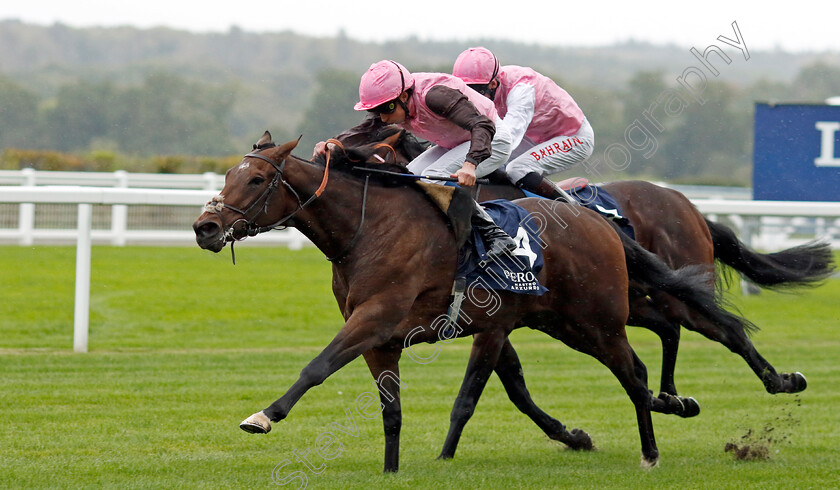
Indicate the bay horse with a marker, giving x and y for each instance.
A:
(394, 260)
(666, 223)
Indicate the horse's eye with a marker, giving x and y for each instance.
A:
(256, 181)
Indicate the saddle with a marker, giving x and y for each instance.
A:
(516, 273)
(456, 205)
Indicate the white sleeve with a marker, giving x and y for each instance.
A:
(520, 110)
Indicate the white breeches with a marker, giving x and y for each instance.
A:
(442, 162)
(550, 157)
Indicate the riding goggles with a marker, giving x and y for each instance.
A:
(386, 108)
(482, 88)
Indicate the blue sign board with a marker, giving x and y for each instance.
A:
(796, 155)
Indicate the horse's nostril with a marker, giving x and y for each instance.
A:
(207, 228)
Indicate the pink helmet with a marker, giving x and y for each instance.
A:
(476, 65)
(384, 81)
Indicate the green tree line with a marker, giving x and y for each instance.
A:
(163, 100)
(165, 114)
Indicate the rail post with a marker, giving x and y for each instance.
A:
(119, 212)
(26, 212)
(82, 305)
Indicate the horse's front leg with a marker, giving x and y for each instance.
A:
(384, 366)
(485, 353)
(365, 328)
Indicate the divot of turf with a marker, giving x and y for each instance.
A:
(755, 445)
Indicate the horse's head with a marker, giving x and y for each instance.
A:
(248, 203)
(371, 131)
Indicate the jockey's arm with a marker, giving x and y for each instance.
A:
(521, 101)
(457, 108)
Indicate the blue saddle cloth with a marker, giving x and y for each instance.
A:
(516, 272)
(597, 199)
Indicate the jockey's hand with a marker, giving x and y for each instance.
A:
(320, 148)
(466, 176)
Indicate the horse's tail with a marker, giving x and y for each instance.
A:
(805, 265)
(690, 284)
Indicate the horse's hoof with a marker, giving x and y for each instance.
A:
(674, 405)
(256, 424)
(785, 383)
(799, 382)
(690, 408)
(650, 463)
(580, 441)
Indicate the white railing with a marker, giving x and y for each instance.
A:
(773, 225)
(85, 198)
(748, 216)
(212, 181)
(119, 178)
(160, 228)
(119, 232)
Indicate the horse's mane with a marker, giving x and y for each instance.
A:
(361, 149)
(354, 161)
(373, 130)
(408, 144)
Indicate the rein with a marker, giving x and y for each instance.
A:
(352, 243)
(390, 148)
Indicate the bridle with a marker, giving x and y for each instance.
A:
(249, 219)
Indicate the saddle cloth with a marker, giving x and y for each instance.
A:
(516, 272)
(597, 199)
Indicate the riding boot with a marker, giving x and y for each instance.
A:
(498, 242)
(542, 186)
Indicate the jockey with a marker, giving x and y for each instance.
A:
(443, 110)
(549, 131)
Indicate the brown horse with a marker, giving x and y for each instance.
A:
(668, 224)
(394, 260)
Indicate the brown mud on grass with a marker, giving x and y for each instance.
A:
(756, 445)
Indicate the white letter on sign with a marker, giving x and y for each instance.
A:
(827, 158)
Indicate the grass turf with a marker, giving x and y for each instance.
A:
(183, 345)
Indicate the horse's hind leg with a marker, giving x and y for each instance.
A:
(611, 348)
(739, 343)
(667, 403)
(630, 376)
(626, 366)
(485, 353)
(644, 315)
(510, 373)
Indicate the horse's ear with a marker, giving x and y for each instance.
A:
(266, 139)
(285, 149)
(393, 139)
(382, 154)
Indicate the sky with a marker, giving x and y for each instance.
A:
(805, 25)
